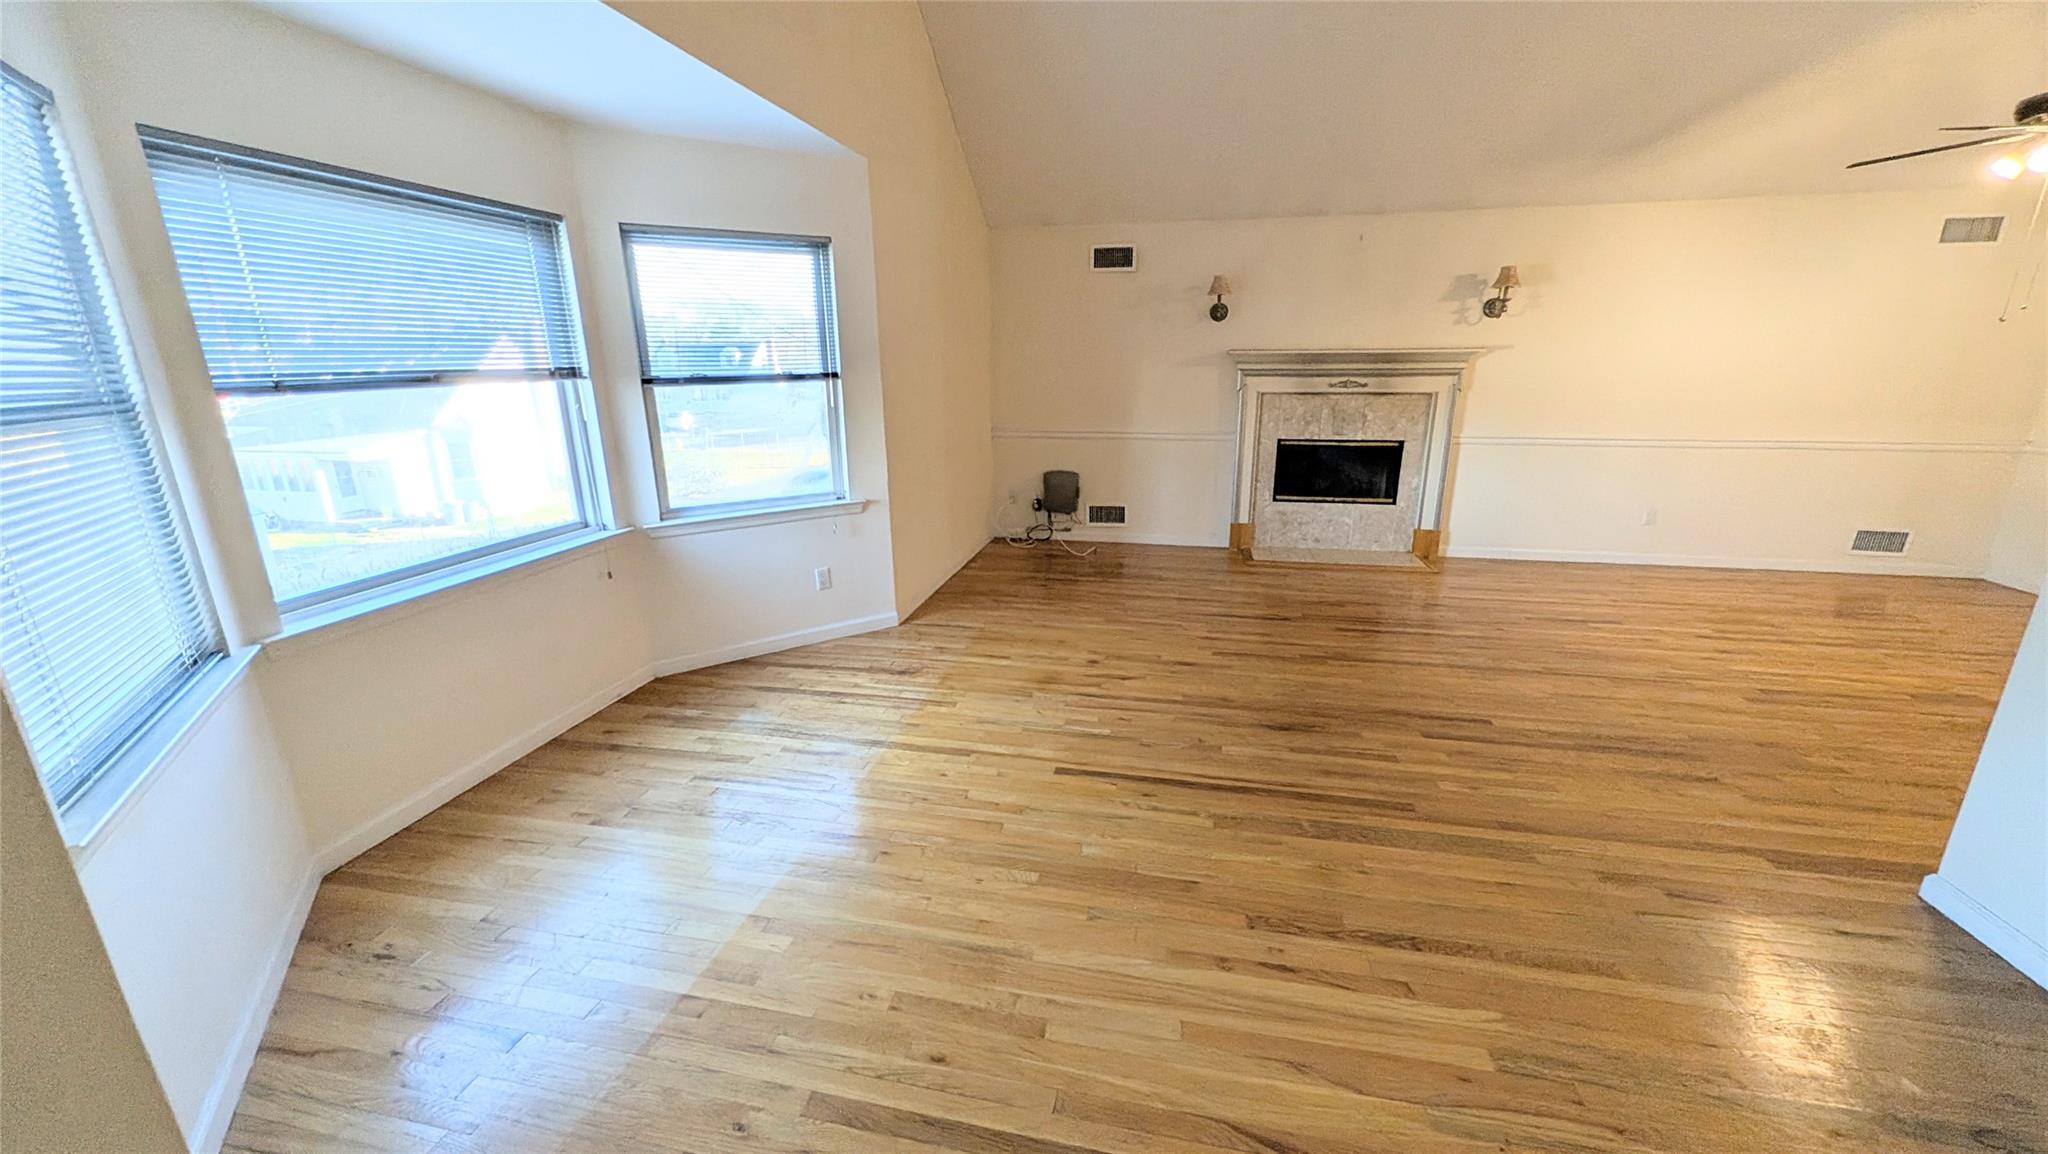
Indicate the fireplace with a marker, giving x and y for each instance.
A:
(1343, 455)
(1340, 471)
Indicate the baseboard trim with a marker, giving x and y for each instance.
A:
(210, 1129)
(440, 792)
(1893, 567)
(2031, 583)
(1115, 536)
(1903, 567)
(1999, 936)
(745, 649)
(1744, 444)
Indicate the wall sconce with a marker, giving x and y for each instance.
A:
(1219, 287)
(1508, 280)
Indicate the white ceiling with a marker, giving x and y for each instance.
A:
(574, 58)
(1119, 111)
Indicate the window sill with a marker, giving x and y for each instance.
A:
(99, 810)
(331, 622)
(716, 522)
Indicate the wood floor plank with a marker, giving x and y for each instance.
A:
(1164, 852)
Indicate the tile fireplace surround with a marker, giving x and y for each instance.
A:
(1347, 395)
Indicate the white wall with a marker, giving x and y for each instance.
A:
(199, 889)
(199, 883)
(440, 691)
(2019, 549)
(1768, 374)
(863, 74)
(339, 737)
(1993, 880)
(73, 1072)
(710, 596)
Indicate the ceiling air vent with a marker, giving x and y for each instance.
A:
(1114, 258)
(1879, 541)
(1971, 229)
(1105, 514)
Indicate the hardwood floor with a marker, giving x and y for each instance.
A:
(1159, 851)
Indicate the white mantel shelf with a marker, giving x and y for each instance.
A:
(1361, 360)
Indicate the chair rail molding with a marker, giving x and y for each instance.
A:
(1574, 441)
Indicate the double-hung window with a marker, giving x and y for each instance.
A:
(399, 368)
(739, 361)
(103, 622)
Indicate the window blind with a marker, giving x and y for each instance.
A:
(731, 306)
(101, 621)
(306, 277)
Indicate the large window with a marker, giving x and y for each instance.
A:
(102, 622)
(739, 358)
(399, 368)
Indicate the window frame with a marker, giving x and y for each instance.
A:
(152, 733)
(833, 378)
(573, 391)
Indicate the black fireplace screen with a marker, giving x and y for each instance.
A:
(1357, 472)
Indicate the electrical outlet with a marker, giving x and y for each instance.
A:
(822, 577)
(1649, 514)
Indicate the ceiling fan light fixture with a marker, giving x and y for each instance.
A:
(2037, 160)
(2007, 168)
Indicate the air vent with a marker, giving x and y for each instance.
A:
(1105, 514)
(1114, 258)
(1879, 541)
(1971, 229)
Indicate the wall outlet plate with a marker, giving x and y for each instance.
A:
(822, 577)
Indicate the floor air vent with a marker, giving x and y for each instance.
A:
(1971, 229)
(1105, 514)
(1879, 541)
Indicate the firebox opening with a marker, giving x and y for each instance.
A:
(1353, 472)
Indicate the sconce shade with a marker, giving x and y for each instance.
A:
(1508, 278)
(1219, 286)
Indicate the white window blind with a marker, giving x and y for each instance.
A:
(398, 368)
(739, 359)
(304, 276)
(101, 620)
(715, 306)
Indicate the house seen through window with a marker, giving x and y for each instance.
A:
(398, 368)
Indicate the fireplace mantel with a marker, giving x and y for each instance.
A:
(1437, 374)
(1354, 360)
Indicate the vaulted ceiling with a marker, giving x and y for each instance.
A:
(574, 58)
(1115, 111)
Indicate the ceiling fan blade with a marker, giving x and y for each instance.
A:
(1974, 127)
(1939, 148)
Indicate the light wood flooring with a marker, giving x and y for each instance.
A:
(1162, 852)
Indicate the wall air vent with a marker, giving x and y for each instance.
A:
(1971, 229)
(1114, 258)
(1105, 514)
(1879, 541)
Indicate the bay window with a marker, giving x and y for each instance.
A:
(104, 622)
(399, 368)
(739, 364)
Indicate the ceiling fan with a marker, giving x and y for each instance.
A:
(2028, 138)
(2029, 126)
